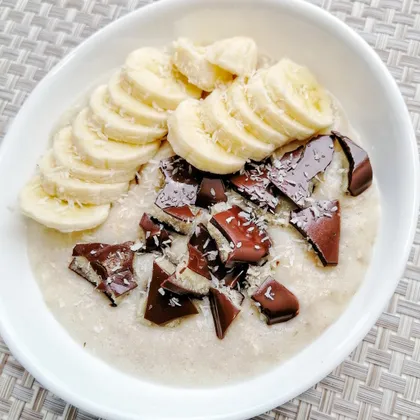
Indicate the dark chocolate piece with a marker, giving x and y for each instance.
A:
(211, 191)
(197, 262)
(255, 185)
(117, 285)
(182, 213)
(249, 243)
(360, 171)
(156, 234)
(235, 276)
(293, 173)
(171, 285)
(164, 306)
(108, 267)
(179, 170)
(320, 225)
(223, 310)
(89, 251)
(202, 240)
(276, 302)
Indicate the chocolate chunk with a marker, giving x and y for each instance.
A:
(320, 225)
(211, 191)
(249, 243)
(117, 285)
(108, 267)
(162, 308)
(255, 185)
(360, 172)
(179, 170)
(172, 285)
(197, 262)
(182, 213)
(276, 302)
(88, 251)
(223, 310)
(293, 173)
(202, 240)
(156, 234)
(235, 276)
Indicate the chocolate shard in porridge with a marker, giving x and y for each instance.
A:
(360, 174)
(276, 302)
(223, 221)
(320, 225)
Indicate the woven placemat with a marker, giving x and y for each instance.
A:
(381, 379)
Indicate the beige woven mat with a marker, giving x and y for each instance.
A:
(381, 379)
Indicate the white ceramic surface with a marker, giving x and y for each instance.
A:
(345, 65)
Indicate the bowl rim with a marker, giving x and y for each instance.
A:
(58, 387)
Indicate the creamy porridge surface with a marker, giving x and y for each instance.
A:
(190, 353)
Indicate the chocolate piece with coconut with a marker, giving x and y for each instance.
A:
(276, 302)
(108, 267)
(320, 225)
(155, 232)
(238, 236)
(211, 191)
(294, 172)
(254, 185)
(360, 172)
(224, 311)
(163, 306)
(192, 276)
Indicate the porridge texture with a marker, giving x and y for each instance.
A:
(220, 108)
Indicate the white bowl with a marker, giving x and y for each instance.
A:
(346, 66)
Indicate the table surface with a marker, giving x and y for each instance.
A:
(381, 379)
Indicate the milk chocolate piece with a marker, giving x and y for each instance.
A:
(320, 225)
(171, 285)
(182, 213)
(276, 302)
(115, 258)
(203, 242)
(223, 310)
(293, 173)
(249, 243)
(235, 276)
(255, 185)
(360, 171)
(156, 234)
(179, 170)
(89, 251)
(211, 191)
(162, 308)
(197, 262)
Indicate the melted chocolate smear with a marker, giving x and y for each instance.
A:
(211, 191)
(204, 243)
(197, 262)
(163, 308)
(156, 234)
(360, 173)
(255, 185)
(249, 242)
(276, 302)
(223, 310)
(112, 263)
(320, 225)
(292, 174)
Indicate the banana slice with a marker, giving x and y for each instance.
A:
(57, 214)
(230, 132)
(239, 108)
(115, 126)
(108, 154)
(295, 89)
(125, 104)
(190, 141)
(65, 155)
(276, 117)
(152, 80)
(237, 55)
(191, 61)
(57, 181)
